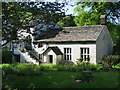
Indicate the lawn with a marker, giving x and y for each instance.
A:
(64, 79)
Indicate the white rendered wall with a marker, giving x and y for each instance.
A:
(41, 49)
(75, 48)
(46, 56)
(104, 45)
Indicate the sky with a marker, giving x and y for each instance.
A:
(68, 8)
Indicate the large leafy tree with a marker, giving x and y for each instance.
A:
(67, 21)
(17, 15)
(115, 33)
(91, 16)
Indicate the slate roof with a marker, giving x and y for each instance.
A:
(56, 50)
(73, 34)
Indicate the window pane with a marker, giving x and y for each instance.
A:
(67, 57)
(88, 51)
(85, 50)
(64, 50)
(70, 57)
(88, 58)
(67, 50)
(81, 50)
(70, 50)
(85, 57)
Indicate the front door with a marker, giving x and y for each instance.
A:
(51, 58)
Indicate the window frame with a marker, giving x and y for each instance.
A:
(68, 53)
(85, 53)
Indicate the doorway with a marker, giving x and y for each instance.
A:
(51, 58)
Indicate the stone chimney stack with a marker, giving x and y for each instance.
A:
(103, 19)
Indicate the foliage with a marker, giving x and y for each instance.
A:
(85, 18)
(110, 60)
(47, 67)
(30, 69)
(79, 61)
(90, 66)
(117, 46)
(21, 69)
(6, 56)
(95, 9)
(22, 49)
(117, 66)
(115, 34)
(20, 15)
(7, 85)
(64, 62)
(67, 21)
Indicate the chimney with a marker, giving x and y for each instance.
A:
(102, 20)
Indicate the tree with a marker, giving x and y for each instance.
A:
(18, 15)
(115, 33)
(67, 21)
(111, 9)
(85, 18)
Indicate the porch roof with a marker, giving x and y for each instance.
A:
(56, 50)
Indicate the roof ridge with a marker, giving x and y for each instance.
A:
(83, 26)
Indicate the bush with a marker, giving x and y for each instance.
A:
(64, 62)
(79, 61)
(117, 66)
(21, 69)
(110, 60)
(31, 69)
(47, 67)
(89, 66)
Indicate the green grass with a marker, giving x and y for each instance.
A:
(64, 79)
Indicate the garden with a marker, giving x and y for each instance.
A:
(62, 75)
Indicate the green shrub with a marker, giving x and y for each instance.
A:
(79, 61)
(117, 66)
(21, 69)
(89, 66)
(95, 67)
(47, 67)
(84, 66)
(31, 69)
(110, 60)
(64, 62)
(25, 69)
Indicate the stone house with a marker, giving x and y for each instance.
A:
(90, 43)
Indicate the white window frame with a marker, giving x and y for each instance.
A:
(67, 53)
(85, 54)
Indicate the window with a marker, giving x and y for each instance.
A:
(67, 53)
(85, 54)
